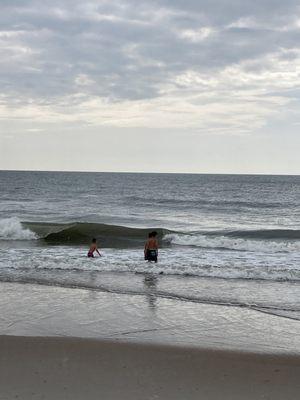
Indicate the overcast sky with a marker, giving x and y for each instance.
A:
(161, 85)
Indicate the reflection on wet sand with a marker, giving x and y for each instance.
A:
(150, 284)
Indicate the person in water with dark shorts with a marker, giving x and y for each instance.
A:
(151, 247)
(93, 248)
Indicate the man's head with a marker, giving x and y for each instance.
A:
(152, 234)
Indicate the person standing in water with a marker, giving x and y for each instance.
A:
(93, 248)
(151, 247)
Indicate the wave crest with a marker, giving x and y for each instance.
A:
(227, 242)
(79, 232)
(115, 236)
(12, 229)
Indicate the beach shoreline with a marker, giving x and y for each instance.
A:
(52, 311)
(63, 343)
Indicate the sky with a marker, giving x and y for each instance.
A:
(200, 86)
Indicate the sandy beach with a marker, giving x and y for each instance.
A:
(60, 343)
(68, 368)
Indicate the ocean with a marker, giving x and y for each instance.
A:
(231, 240)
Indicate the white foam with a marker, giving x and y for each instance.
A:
(233, 243)
(62, 260)
(11, 229)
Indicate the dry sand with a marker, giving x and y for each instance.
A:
(68, 368)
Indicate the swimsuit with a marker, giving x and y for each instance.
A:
(90, 254)
(151, 255)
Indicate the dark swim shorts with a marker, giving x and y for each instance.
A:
(151, 255)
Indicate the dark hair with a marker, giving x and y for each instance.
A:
(152, 234)
(94, 240)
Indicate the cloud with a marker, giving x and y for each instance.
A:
(214, 66)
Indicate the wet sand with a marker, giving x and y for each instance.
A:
(37, 310)
(59, 343)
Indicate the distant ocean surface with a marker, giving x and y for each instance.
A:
(225, 239)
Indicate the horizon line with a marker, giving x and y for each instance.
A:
(153, 172)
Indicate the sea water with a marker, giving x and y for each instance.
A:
(224, 239)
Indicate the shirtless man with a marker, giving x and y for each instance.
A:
(151, 247)
(93, 248)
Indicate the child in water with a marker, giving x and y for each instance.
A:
(151, 247)
(93, 248)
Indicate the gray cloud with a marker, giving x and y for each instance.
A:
(198, 58)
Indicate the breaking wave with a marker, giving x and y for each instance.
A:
(115, 236)
(82, 232)
(239, 240)
(12, 229)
